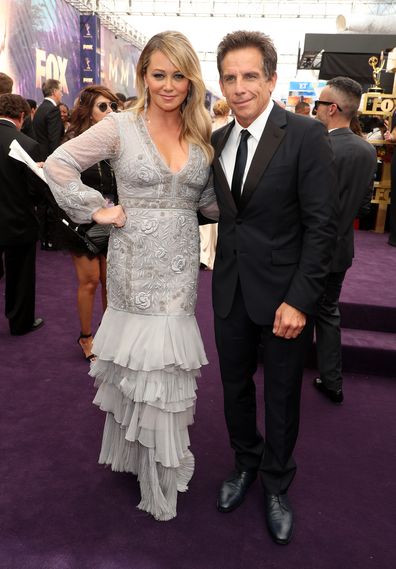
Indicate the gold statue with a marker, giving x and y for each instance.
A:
(373, 62)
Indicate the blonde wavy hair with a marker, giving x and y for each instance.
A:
(196, 123)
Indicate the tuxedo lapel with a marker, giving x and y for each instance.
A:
(222, 184)
(266, 148)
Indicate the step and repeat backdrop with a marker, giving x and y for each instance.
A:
(43, 40)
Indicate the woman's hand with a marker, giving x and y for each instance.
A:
(114, 215)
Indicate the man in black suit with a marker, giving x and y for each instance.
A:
(18, 221)
(49, 130)
(275, 185)
(47, 122)
(356, 162)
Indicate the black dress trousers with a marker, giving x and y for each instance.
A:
(238, 339)
(20, 285)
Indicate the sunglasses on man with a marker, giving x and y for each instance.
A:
(103, 106)
(327, 104)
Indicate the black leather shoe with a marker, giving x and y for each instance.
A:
(38, 322)
(334, 396)
(279, 517)
(233, 490)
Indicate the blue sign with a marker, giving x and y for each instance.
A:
(89, 50)
(301, 86)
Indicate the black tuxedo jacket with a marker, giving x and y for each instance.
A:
(48, 128)
(20, 189)
(356, 163)
(279, 244)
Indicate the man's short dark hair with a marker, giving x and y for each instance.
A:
(50, 86)
(350, 92)
(11, 106)
(32, 103)
(242, 39)
(6, 83)
(121, 97)
(301, 106)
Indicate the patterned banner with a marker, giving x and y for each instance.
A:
(51, 40)
(89, 50)
(37, 42)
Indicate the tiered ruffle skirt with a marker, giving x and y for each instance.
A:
(145, 373)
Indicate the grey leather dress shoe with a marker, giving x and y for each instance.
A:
(233, 490)
(279, 517)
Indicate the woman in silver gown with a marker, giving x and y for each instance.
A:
(148, 347)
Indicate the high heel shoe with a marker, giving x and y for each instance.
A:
(90, 357)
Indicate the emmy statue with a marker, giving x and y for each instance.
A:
(373, 62)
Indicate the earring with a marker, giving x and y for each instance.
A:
(146, 96)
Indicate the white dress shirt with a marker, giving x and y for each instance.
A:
(52, 101)
(228, 155)
(8, 120)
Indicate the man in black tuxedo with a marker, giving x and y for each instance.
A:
(18, 222)
(49, 130)
(356, 163)
(276, 189)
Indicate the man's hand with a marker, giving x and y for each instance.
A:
(289, 322)
(114, 215)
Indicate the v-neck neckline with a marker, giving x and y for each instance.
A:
(158, 153)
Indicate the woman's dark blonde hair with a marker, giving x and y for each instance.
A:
(196, 123)
(80, 119)
(221, 108)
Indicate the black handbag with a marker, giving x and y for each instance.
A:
(95, 236)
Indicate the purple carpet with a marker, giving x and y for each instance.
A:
(368, 308)
(60, 510)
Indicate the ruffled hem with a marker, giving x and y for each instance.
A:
(159, 485)
(149, 342)
(141, 404)
(149, 407)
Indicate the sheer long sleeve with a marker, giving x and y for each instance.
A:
(63, 168)
(207, 203)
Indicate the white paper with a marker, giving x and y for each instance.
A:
(17, 152)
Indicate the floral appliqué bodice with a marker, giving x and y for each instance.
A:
(153, 261)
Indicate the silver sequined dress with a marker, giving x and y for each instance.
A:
(149, 349)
